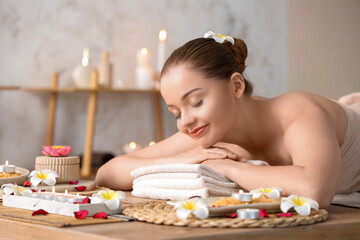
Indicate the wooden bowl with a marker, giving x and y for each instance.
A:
(19, 180)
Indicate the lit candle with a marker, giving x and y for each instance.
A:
(131, 147)
(7, 167)
(62, 198)
(50, 196)
(248, 213)
(243, 197)
(151, 143)
(143, 71)
(161, 50)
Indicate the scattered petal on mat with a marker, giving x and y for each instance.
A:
(85, 201)
(234, 215)
(288, 214)
(81, 214)
(27, 184)
(80, 188)
(73, 182)
(263, 213)
(100, 215)
(40, 211)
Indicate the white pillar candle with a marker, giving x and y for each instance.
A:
(243, 197)
(161, 50)
(248, 213)
(143, 71)
(7, 167)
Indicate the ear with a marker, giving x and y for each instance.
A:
(238, 82)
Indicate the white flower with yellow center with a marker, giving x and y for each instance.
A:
(45, 176)
(219, 37)
(196, 206)
(273, 193)
(10, 188)
(111, 198)
(302, 205)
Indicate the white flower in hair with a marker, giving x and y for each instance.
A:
(219, 37)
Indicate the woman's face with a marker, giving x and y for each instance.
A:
(203, 108)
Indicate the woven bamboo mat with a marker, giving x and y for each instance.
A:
(159, 212)
(53, 220)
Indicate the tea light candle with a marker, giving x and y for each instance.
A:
(243, 197)
(7, 167)
(49, 196)
(248, 213)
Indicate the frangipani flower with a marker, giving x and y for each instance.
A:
(219, 37)
(10, 188)
(302, 205)
(273, 193)
(56, 151)
(111, 198)
(196, 206)
(45, 176)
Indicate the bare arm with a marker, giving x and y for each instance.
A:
(178, 148)
(315, 154)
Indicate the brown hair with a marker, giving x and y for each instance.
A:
(212, 59)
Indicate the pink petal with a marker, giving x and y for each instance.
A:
(40, 211)
(100, 215)
(287, 214)
(81, 214)
(27, 184)
(80, 188)
(73, 182)
(263, 213)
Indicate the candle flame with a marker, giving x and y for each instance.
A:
(144, 51)
(6, 162)
(132, 145)
(151, 143)
(162, 35)
(66, 192)
(39, 191)
(241, 191)
(77, 195)
(53, 190)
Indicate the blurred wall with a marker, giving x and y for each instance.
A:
(40, 37)
(324, 46)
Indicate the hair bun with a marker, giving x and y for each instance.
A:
(240, 52)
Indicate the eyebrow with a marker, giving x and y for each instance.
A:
(186, 95)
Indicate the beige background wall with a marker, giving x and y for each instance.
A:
(324, 46)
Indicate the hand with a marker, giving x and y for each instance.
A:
(198, 155)
(221, 166)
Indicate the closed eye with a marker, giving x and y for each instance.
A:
(198, 104)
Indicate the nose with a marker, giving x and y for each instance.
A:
(186, 120)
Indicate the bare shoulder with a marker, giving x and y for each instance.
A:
(310, 111)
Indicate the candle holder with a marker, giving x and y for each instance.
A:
(18, 177)
(248, 213)
(242, 196)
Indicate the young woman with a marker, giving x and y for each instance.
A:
(310, 142)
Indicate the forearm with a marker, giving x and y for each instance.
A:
(292, 179)
(115, 174)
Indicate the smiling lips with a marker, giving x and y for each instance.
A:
(198, 131)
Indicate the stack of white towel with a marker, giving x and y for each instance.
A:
(181, 181)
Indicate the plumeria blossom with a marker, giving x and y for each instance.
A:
(219, 37)
(196, 206)
(273, 193)
(111, 198)
(56, 151)
(10, 188)
(45, 176)
(302, 205)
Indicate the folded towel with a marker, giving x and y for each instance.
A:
(183, 183)
(178, 194)
(349, 200)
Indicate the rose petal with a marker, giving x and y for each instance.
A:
(85, 201)
(100, 215)
(263, 213)
(27, 184)
(81, 214)
(73, 182)
(81, 188)
(287, 214)
(40, 211)
(234, 215)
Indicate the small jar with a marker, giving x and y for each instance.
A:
(68, 168)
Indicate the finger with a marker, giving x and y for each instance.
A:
(221, 150)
